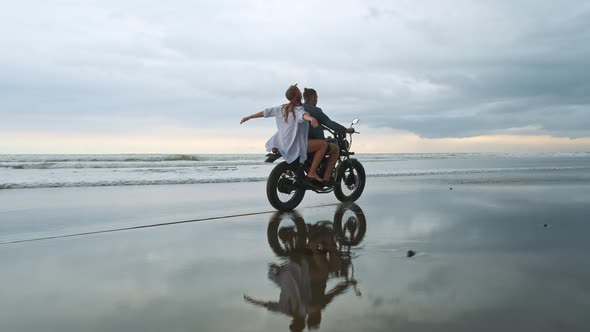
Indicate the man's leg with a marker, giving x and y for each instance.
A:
(318, 147)
(334, 154)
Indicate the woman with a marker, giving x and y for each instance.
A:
(293, 279)
(291, 137)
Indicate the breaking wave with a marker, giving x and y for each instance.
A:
(125, 183)
(492, 175)
(123, 161)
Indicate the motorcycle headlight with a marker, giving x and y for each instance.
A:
(344, 145)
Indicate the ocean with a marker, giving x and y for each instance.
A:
(118, 252)
(61, 170)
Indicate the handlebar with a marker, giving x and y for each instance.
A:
(338, 134)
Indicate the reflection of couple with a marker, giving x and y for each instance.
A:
(293, 279)
(303, 279)
(295, 139)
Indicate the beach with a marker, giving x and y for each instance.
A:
(447, 248)
(436, 170)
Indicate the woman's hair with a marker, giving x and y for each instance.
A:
(309, 93)
(293, 94)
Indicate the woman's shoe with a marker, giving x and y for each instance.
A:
(315, 178)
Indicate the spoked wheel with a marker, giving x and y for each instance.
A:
(350, 224)
(282, 190)
(350, 181)
(286, 233)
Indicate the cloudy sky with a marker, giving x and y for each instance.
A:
(176, 76)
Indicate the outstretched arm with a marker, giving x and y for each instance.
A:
(269, 305)
(256, 302)
(253, 116)
(314, 122)
(335, 126)
(337, 290)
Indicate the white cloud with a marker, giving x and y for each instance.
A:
(459, 69)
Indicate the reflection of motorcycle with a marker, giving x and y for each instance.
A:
(311, 254)
(287, 183)
(288, 233)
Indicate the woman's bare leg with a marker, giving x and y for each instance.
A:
(334, 154)
(318, 147)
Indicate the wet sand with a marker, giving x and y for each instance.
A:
(487, 258)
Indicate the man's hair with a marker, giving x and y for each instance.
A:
(309, 93)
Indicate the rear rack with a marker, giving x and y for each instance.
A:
(271, 157)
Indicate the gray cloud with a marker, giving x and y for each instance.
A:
(438, 70)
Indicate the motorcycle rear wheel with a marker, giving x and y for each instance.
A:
(286, 233)
(282, 190)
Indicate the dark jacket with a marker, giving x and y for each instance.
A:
(324, 120)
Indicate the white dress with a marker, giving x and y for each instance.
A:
(294, 281)
(291, 137)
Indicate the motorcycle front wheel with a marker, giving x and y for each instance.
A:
(282, 190)
(350, 181)
(350, 224)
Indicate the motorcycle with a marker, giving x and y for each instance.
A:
(310, 255)
(287, 183)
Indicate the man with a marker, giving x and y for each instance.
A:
(321, 263)
(310, 98)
